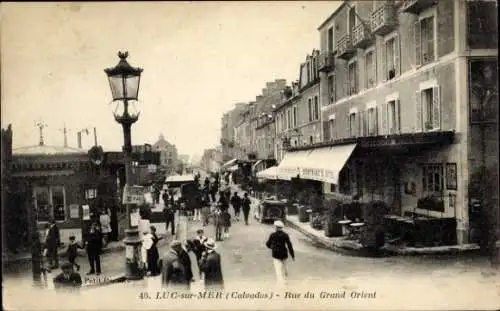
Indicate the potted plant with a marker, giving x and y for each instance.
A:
(332, 216)
(373, 234)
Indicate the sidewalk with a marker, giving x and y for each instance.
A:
(353, 248)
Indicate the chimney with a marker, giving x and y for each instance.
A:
(79, 138)
(95, 137)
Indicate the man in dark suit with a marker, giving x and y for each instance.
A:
(68, 279)
(52, 241)
(280, 244)
(94, 247)
(211, 267)
(186, 262)
(173, 273)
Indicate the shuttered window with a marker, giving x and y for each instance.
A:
(429, 109)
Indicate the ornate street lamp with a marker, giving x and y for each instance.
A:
(124, 83)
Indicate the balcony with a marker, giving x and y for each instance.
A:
(326, 62)
(384, 19)
(361, 36)
(416, 6)
(345, 49)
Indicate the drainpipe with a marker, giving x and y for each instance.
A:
(79, 138)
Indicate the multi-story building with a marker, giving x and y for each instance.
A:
(211, 159)
(286, 121)
(409, 100)
(168, 154)
(230, 120)
(265, 132)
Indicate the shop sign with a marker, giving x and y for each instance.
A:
(86, 212)
(133, 195)
(319, 174)
(74, 211)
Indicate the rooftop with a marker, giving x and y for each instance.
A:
(47, 150)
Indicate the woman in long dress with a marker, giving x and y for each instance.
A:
(152, 254)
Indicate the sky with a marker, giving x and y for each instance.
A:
(199, 59)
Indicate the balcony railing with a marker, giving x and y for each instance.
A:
(416, 6)
(384, 19)
(362, 36)
(326, 62)
(345, 49)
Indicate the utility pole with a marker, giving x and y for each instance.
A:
(79, 136)
(65, 131)
(95, 136)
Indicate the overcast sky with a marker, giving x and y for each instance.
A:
(199, 59)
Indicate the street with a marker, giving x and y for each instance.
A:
(247, 267)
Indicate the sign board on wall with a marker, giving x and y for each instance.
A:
(86, 212)
(74, 211)
(133, 195)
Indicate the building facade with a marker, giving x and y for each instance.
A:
(230, 121)
(168, 154)
(212, 159)
(412, 75)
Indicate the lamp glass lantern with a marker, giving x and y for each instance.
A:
(124, 82)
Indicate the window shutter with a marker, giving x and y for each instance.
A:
(348, 125)
(383, 69)
(374, 67)
(365, 124)
(418, 107)
(418, 44)
(376, 123)
(384, 119)
(436, 108)
(397, 58)
(326, 131)
(398, 116)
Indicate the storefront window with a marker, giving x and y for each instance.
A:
(50, 203)
(42, 204)
(432, 179)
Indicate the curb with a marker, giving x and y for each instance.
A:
(317, 241)
(386, 250)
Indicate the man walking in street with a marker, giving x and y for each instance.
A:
(236, 203)
(169, 213)
(280, 245)
(94, 247)
(245, 204)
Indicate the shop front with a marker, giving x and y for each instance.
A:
(62, 184)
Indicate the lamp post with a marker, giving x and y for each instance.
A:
(124, 83)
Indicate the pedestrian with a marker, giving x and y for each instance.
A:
(94, 247)
(198, 207)
(280, 245)
(147, 243)
(153, 254)
(223, 202)
(72, 252)
(165, 197)
(186, 262)
(210, 266)
(199, 245)
(213, 192)
(245, 205)
(169, 214)
(236, 203)
(173, 273)
(52, 242)
(226, 217)
(205, 212)
(105, 221)
(67, 280)
(218, 223)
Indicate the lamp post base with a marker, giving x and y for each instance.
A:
(133, 265)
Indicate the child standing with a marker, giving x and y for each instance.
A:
(72, 252)
(226, 217)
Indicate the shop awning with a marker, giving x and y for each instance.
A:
(272, 173)
(229, 163)
(325, 164)
(292, 163)
(232, 168)
(44, 173)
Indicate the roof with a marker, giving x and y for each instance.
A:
(47, 150)
(329, 18)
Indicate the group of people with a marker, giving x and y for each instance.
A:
(176, 264)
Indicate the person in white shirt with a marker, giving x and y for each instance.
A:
(147, 243)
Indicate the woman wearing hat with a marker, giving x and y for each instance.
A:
(211, 267)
